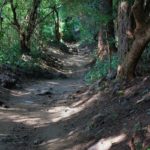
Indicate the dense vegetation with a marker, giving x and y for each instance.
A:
(114, 25)
(70, 43)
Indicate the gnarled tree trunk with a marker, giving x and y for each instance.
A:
(142, 38)
(26, 33)
(141, 11)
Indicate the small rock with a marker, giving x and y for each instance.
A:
(3, 105)
(44, 92)
(37, 141)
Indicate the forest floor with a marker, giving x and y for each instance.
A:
(66, 114)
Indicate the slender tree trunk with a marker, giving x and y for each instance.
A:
(106, 29)
(25, 34)
(57, 25)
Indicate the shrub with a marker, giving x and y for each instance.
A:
(100, 69)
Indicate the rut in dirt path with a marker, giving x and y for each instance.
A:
(38, 113)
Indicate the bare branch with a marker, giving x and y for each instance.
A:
(42, 19)
(15, 20)
(32, 18)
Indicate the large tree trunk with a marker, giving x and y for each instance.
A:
(141, 39)
(128, 67)
(106, 36)
(124, 29)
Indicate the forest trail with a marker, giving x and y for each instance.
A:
(38, 113)
(66, 114)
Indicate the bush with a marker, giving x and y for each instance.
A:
(13, 57)
(10, 56)
(100, 69)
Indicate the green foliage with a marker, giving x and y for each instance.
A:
(47, 32)
(100, 69)
(84, 25)
(14, 58)
(10, 56)
(71, 29)
(85, 16)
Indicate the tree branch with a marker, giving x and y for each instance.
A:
(138, 12)
(42, 19)
(32, 18)
(15, 20)
(53, 9)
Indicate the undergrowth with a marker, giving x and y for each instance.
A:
(100, 69)
(13, 57)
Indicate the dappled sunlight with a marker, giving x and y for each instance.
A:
(60, 141)
(107, 143)
(72, 74)
(52, 144)
(63, 112)
(52, 115)
(77, 61)
(19, 118)
(84, 102)
(72, 132)
(19, 93)
(53, 141)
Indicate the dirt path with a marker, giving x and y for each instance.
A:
(38, 113)
(64, 114)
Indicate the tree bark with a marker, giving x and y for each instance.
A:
(124, 29)
(141, 39)
(106, 29)
(24, 44)
(25, 34)
(127, 69)
(57, 24)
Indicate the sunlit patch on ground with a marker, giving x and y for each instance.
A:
(63, 112)
(106, 144)
(19, 93)
(19, 118)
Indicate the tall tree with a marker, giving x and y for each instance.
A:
(57, 23)
(106, 35)
(31, 19)
(1, 8)
(124, 28)
(140, 37)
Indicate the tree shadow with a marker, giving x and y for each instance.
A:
(96, 117)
